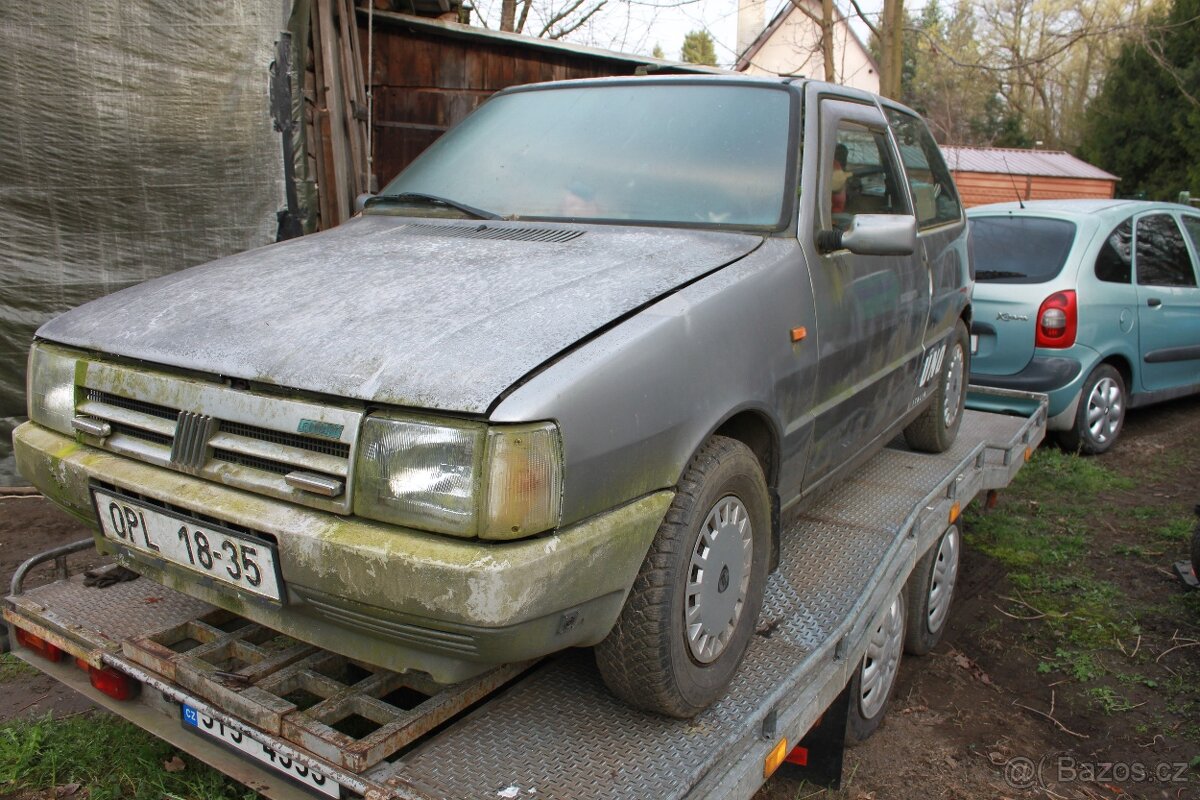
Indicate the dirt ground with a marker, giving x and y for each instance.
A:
(993, 711)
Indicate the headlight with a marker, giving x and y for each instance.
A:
(461, 478)
(50, 388)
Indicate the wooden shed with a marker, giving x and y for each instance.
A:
(378, 87)
(995, 175)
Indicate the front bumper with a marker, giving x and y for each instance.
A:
(390, 596)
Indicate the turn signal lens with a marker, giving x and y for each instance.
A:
(1057, 320)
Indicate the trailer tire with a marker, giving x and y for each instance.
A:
(931, 592)
(877, 672)
(680, 637)
(935, 430)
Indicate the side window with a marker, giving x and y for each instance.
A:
(1115, 261)
(1192, 226)
(933, 190)
(864, 178)
(1162, 257)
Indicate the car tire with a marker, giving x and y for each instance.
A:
(875, 679)
(1101, 413)
(931, 593)
(681, 634)
(935, 430)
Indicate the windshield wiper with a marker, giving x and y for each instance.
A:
(478, 213)
(994, 274)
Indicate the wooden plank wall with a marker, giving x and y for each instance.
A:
(978, 188)
(423, 83)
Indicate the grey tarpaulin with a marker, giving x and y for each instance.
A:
(136, 140)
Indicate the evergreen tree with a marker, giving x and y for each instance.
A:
(657, 52)
(698, 49)
(1143, 125)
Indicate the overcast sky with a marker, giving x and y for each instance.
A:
(635, 27)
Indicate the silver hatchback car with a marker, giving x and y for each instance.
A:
(555, 386)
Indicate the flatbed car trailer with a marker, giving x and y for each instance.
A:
(290, 720)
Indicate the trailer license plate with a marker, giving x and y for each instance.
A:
(210, 550)
(200, 722)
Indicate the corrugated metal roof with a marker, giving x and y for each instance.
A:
(1011, 161)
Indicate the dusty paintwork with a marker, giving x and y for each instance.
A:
(374, 314)
(638, 342)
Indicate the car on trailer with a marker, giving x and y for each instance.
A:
(557, 385)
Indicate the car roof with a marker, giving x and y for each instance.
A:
(1078, 209)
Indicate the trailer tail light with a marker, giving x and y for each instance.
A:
(39, 645)
(798, 756)
(116, 685)
(1057, 320)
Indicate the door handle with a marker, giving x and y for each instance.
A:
(1153, 302)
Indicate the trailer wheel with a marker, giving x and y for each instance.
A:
(935, 430)
(694, 604)
(930, 593)
(873, 681)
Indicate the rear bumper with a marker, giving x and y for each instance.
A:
(390, 596)
(1059, 377)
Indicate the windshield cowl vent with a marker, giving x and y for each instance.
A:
(482, 231)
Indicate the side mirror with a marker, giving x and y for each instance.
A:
(873, 235)
(360, 202)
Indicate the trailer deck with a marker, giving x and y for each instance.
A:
(550, 729)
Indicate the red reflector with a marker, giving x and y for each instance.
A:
(1057, 320)
(82, 664)
(116, 685)
(798, 756)
(39, 645)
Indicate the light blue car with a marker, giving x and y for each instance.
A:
(1094, 302)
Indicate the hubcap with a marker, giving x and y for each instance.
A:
(881, 660)
(1105, 409)
(954, 386)
(941, 583)
(718, 579)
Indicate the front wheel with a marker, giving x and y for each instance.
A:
(935, 430)
(1101, 413)
(695, 602)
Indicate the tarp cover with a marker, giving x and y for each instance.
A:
(136, 140)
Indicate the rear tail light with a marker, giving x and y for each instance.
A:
(39, 645)
(1057, 320)
(116, 685)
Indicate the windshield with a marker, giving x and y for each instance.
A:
(1020, 249)
(658, 152)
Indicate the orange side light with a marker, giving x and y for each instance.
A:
(955, 510)
(775, 758)
(39, 645)
(798, 334)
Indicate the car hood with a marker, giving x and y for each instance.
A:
(420, 313)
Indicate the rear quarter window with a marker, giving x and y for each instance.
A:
(1020, 249)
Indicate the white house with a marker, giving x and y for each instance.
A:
(791, 45)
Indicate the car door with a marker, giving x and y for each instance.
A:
(1168, 302)
(871, 310)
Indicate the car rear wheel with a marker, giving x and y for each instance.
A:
(695, 602)
(1101, 413)
(935, 430)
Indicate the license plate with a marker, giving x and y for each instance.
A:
(197, 720)
(974, 344)
(210, 550)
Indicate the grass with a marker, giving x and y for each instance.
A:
(13, 668)
(111, 757)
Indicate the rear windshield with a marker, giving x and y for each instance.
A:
(1020, 249)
